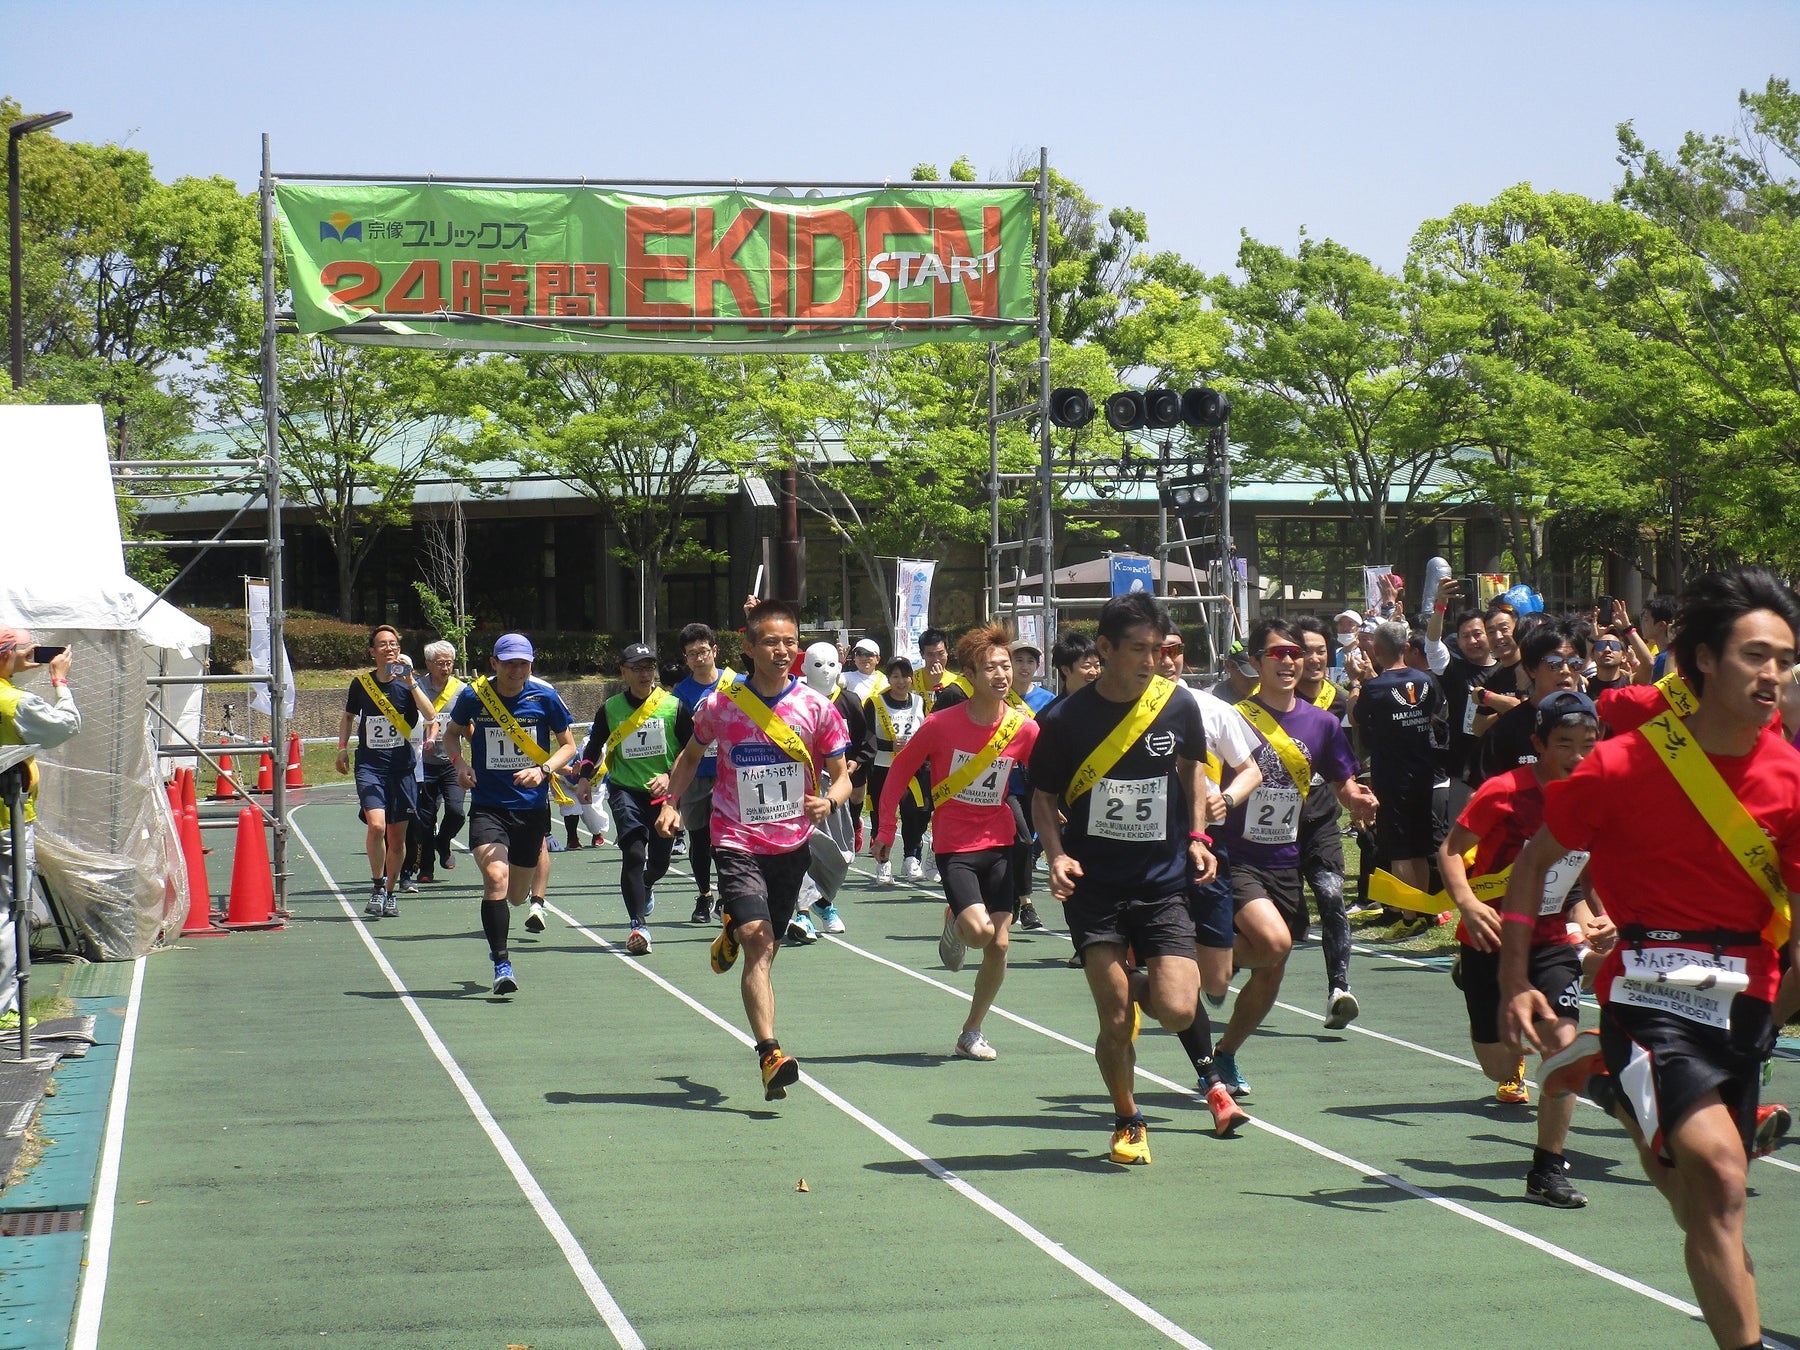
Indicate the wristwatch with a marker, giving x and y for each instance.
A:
(1225, 796)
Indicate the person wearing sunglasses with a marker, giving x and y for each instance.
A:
(1611, 666)
(1261, 835)
(1552, 656)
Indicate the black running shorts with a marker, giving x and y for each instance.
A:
(1662, 1065)
(1555, 973)
(761, 886)
(1280, 888)
(1158, 926)
(983, 877)
(520, 833)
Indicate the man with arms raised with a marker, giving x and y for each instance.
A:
(775, 736)
(1121, 760)
(518, 733)
(1262, 833)
(1693, 829)
(970, 752)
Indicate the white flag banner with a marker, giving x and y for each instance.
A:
(912, 604)
(256, 606)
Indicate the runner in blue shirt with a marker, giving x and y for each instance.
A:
(700, 650)
(505, 717)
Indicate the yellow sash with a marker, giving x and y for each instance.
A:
(1387, 889)
(1017, 703)
(452, 687)
(10, 698)
(639, 715)
(950, 682)
(1121, 738)
(382, 702)
(1292, 757)
(1721, 810)
(1327, 693)
(510, 724)
(1680, 695)
(748, 702)
(974, 768)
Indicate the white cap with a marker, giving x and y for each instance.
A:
(869, 645)
(1349, 614)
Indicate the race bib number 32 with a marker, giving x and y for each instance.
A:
(1135, 810)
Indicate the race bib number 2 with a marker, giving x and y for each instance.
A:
(1135, 810)
(768, 793)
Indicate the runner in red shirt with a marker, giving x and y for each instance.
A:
(1504, 813)
(1696, 928)
(973, 829)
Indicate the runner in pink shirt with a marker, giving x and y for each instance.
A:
(973, 828)
(765, 803)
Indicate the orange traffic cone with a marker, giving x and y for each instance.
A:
(189, 804)
(296, 778)
(226, 787)
(199, 914)
(265, 775)
(252, 879)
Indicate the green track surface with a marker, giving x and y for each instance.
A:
(299, 1169)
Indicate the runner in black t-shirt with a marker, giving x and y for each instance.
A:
(1469, 668)
(1134, 837)
(1401, 716)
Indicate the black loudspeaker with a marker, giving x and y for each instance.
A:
(1070, 408)
(1125, 410)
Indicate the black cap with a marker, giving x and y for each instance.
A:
(1565, 707)
(636, 652)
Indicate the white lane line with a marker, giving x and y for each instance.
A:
(1054, 1250)
(591, 1283)
(1364, 1169)
(89, 1308)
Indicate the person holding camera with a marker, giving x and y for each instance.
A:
(26, 719)
(383, 705)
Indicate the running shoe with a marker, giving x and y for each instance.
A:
(951, 948)
(780, 1072)
(1772, 1124)
(408, 885)
(857, 843)
(638, 941)
(702, 908)
(554, 844)
(426, 878)
(1514, 1091)
(680, 848)
(1074, 961)
(1409, 926)
(1340, 1010)
(376, 904)
(724, 949)
(1225, 1064)
(534, 921)
(973, 1045)
(1131, 1142)
(1028, 917)
(445, 860)
(914, 869)
(650, 902)
(931, 870)
(504, 981)
(1569, 1069)
(1362, 911)
(573, 843)
(800, 928)
(884, 874)
(599, 841)
(390, 905)
(826, 918)
(1550, 1186)
(1226, 1113)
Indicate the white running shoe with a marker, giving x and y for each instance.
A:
(951, 948)
(931, 872)
(914, 870)
(534, 921)
(826, 917)
(884, 874)
(973, 1045)
(1340, 1010)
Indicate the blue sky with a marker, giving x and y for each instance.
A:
(1355, 120)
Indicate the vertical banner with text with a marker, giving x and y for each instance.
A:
(256, 607)
(912, 604)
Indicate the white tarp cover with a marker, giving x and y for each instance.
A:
(106, 842)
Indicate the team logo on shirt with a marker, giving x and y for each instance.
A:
(1406, 694)
(1160, 744)
(750, 754)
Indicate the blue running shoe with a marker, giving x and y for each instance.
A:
(504, 983)
(826, 918)
(649, 902)
(1235, 1082)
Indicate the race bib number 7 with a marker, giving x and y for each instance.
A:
(647, 742)
(1135, 810)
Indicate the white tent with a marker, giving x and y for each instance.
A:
(106, 843)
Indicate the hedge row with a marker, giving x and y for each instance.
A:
(315, 642)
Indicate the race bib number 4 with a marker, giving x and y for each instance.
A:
(502, 755)
(1559, 881)
(990, 788)
(1692, 984)
(1135, 810)
(769, 793)
(379, 733)
(647, 742)
(1272, 815)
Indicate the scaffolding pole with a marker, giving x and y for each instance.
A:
(271, 407)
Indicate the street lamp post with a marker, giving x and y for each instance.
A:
(15, 271)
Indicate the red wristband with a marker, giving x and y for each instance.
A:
(1442, 609)
(1203, 838)
(1514, 916)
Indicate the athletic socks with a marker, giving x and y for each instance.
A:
(495, 921)
(764, 1047)
(1197, 1040)
(1543, 1160)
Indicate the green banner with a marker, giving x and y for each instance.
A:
(576, 269)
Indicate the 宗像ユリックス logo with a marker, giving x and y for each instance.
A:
(339, 225)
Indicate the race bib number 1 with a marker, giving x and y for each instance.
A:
(990, 788)
(1132, 809)
(1272, 815)
(769, 793)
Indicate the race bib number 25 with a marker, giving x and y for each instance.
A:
(1135, 810)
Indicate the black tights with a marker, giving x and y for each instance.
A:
(495, 921)
(646, 862)
(1334, 926)
(700, 857)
